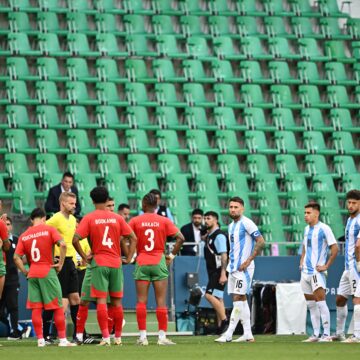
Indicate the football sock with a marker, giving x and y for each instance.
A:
(234, 318)
(162, 335)
(36, 318)
(141, 315)
(118, 314)
(81, 318)
(59, 319)
(142, 334)
(341, 315)
(314, 316)
(162, 318)
(357, 321)
(111, 318)
(47, 321)
(73, 312)
(325, 316)
(245, 319)
(102, 317)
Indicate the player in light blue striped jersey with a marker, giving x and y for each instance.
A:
(318, 237)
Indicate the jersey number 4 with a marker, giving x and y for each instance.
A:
(150, 233)
(34, 252)
(107, 241)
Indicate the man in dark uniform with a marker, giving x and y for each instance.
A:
(161, 209)
(215, 253)
(192, 233)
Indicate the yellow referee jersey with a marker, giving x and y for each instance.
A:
(86, 249)
(66, 228)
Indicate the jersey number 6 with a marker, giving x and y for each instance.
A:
(35, 252)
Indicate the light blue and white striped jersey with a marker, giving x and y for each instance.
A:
(317, 239)
(352, 233)
(242, 236)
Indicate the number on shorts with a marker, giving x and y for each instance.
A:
(354, 284)
(107, 241)
(150, 233)
(315, 279)
(239, 284)
(34, 252)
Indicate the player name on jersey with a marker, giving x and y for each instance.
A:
(150, 224)
(105, 221)
(36, 235)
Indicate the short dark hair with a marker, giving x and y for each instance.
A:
(123, 206)
(213, 214)
(99, 195)
(110, 198)
(197, 212)
(314, 205)
(37, 213)
(155, 192)
(8, 218)
(67, 174)
(150, 200)
(237, 199)
(353, 194)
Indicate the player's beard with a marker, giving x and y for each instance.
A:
(235, 217)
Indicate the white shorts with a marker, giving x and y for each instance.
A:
(310, 283)
(239, 282)
(349, 284)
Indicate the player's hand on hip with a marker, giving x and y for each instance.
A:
(89, 258)
(321, 268)
(57, 267)
(244, 265)
(168, 260)
(222, 280)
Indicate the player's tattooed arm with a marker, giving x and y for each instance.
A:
(259, 246)
(224, 261)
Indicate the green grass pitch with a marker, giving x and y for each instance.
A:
(188, 347)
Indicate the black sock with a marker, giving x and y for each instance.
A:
(73, 311)
(47, 322)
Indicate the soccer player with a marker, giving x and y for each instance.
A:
(104, 230)
(4, 245)
(152, 230)
(349, 282)
(124, 211)
(216, 259)
(44, 290)
(110, 204)
(246, 242)
(318, 237)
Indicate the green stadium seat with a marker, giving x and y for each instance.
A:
(108, 6)
(248, 7)
(207, 191)
(108, 142)
(266, 186)
(47, 93)
(220, 26)
(166, 117)
(169, 164)
(256, 164)
(236, 185)
(17, 142)
(48, 69)
(85, 183)
(107, 70)
(21, 5)
(48, 22)
(138, 164)
(276, 7)
(283, 119)
(118, 188)
(192, 7)
(168, 142)
(341, 120)
(198, 143)
(314, 142)
(18, 69)
(47, 165)
(255, 120)
(353, 26)
(275, 27)
(252, 96)
(304, 27)
(251, 72)
(227, 143)
(78, 164)
(330, 8)
(198, 164)
(144, 183)
(197, 48)
(310, 97)
(166, 46)
(313, 120)
(224, 49)
(17, 93)
(106, 23)
(225, 96)
(78, 70)
(220, 7)
(108, 94)
(163, 25)
(137, 118)
(47, 116)
(78, 142)
(166, 95)
(136, 71)
(303, 8)
(52, 6)
(280, 73)
(77, 22)
(194, 72)
(17, 117)
(309, 73)
(19, 23)
(178, 183)
(309, 50)
(222, 72)
(282, 97)
(107, 117)
(136, 94)
(256, 143)
(330, 29)
(49, 45)
(350, 182)
(194, 95)
(252, 48)
(108, 164)
(227, 165)
(286, 164)
(164, 7)
(17, 163)
(279, 48)
(164, 71)
(191, 26)
(77, 117)
(196, 118)
(286, 143)
(247, 26)
(78, 45)
(137, 141)
(80, 6)
(48, 142)
(338, 97)
(337, 51)
(225, 119)
(107, 45)
(344, 144)
(316, 165)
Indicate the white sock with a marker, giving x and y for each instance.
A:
(357, 321)
(325, 316)
(63, 341)
(41, 341)
(142, 334)
(341, 315)
(162, 335)
(80, 336)
(245, 319)
(314, 316)
(234, 318)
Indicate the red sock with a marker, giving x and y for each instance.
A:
(102, 317)
(81, 318)
(59, 319)
(110, 318)
(36, 318)
(162, 318)
(118, 320)
(141, 315)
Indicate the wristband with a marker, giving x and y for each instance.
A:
(358, 266)
(172, 256)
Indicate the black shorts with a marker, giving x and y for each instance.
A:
(68, 278)
(81, 275)
(213, 287)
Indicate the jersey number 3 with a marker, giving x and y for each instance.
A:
(107, 241)
(150, 233)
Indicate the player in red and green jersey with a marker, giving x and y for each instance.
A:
(44, 290)
(4, 245)
(152, 230)
(105, 229)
